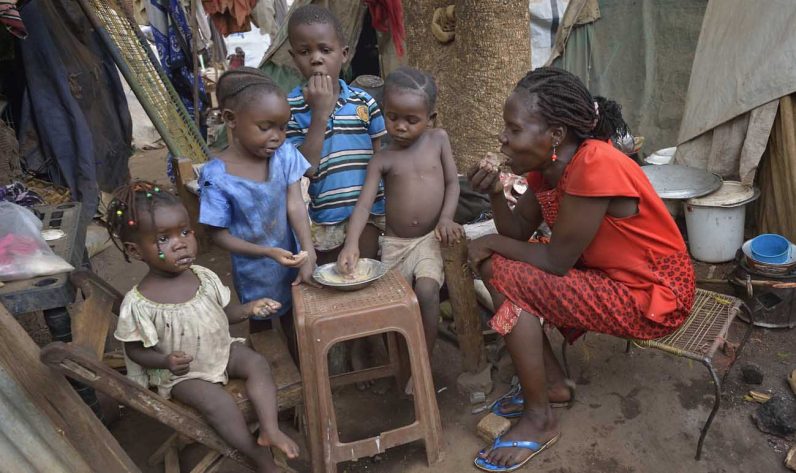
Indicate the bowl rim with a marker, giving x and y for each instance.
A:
(316, 274)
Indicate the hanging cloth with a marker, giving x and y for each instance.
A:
(173, 39)
(230, 16)
(9, 16)
(388, 15)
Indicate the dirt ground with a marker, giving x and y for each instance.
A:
(636, 412)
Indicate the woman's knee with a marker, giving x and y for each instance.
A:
(485, 270)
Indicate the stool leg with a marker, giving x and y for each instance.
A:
(716, 404)
(426, 410)
(325, 407)
(397, 360)
(309, 363)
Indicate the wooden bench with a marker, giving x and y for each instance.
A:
(80, 360)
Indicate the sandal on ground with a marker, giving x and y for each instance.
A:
(535, 448)
(516, 400)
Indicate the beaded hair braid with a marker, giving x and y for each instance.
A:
(126, 209)
(238, 86)
(562, 99)
(313, 14)
(409, 78)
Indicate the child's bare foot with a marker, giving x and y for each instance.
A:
(277, 438)
(364, 385)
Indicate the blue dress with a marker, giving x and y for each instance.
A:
(255, 212)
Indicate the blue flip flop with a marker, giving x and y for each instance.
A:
(516, 399)
(535, 448)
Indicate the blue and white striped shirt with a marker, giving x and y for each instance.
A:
(347, 150)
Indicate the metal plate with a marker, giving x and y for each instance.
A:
(368, 270)
(673, 181)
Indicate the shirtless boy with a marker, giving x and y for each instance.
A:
(421, 192)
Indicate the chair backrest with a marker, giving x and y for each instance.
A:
(114, 22)
(79, 364)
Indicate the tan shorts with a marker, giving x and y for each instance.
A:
(414, 257)
(330, 237)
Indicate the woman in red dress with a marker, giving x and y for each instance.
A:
(615, 263)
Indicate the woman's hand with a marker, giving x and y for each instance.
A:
(262, 307)
(478, 251)
(447, 232)
(485, 177)
(178, 363)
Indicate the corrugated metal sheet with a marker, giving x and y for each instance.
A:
(28, 440)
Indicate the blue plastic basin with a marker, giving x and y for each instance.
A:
(770, 248)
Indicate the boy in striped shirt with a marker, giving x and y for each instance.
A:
(336, 128)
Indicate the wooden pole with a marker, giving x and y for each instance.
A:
(465, 307)
(195, 53)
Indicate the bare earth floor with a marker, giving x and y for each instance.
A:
(635, 413)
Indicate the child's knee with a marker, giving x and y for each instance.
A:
(427, 291)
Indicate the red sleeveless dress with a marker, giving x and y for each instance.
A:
(634, 280)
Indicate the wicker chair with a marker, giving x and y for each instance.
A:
(698, 338)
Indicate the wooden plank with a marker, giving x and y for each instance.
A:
(54, 398)
(284, 371)
(91, 318)
(172, 460)
(160, 454)
(208, 464)
(83, 367)
(184, 172)
(465, 308)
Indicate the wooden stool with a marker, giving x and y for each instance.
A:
(325, 317)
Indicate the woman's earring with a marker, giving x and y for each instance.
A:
(554, 157)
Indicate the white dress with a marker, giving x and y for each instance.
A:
(198, 327)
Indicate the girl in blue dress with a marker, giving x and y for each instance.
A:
(250, 195)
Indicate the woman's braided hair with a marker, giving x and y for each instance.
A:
(130, 203)
(239, 86)
(409, 78)
(562, 99)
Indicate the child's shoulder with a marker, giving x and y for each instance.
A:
(212, 170)
(214, 166)
(296, 95)
(437, 134)
(359, 94)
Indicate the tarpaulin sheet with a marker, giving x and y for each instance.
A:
(745, 58)
(639, 53)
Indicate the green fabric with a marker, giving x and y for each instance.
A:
(640, 55)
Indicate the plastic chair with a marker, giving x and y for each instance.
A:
(325, 317)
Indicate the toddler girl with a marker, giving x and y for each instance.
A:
(251, 194)
(175, 324)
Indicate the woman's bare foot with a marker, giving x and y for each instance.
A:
(561, 393)
(277, 438)
(538, 426)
